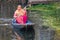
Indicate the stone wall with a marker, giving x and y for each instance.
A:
(35, 18)
(42, 32)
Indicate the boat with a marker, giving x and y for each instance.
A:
(28, 23)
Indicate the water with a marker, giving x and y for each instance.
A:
(6, 31)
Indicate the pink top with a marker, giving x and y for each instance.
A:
(21, 17)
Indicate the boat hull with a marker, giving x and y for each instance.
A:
(16, 25)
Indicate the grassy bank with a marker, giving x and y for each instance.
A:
(50, 13)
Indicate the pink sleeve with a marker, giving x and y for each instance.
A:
(15, 15)
(25, 13)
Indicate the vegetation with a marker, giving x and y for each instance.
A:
(50, 13)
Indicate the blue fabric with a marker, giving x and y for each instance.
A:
(14, 22)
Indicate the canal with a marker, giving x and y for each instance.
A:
(7, 33)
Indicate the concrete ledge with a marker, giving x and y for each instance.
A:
(37, 2)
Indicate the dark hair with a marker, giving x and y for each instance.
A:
(19, 3)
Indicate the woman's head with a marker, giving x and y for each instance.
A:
(19, 7)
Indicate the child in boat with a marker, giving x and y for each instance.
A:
(20, 15)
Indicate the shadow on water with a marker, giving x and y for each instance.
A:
(28, 33)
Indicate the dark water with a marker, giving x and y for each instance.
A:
(7, 33)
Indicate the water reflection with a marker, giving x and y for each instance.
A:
(6, 31)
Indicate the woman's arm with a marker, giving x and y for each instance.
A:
(25, 12)
(15, 15)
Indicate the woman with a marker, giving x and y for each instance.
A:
(20, 15)
(21, 18)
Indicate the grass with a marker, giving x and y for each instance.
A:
(50, 13)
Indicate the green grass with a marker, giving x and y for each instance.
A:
(50, 14)
(43, 7)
